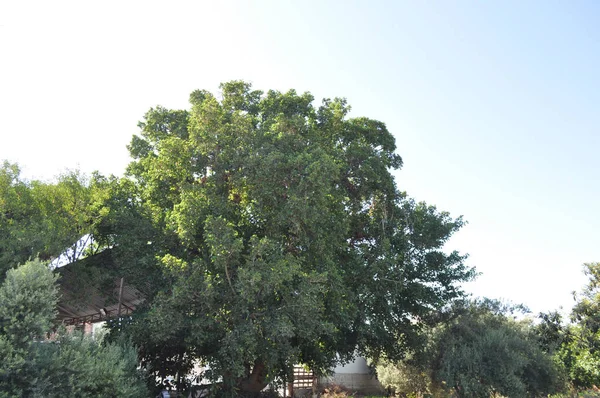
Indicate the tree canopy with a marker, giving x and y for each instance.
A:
(274, 234)
(45, 219)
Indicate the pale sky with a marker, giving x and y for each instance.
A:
(494, 105)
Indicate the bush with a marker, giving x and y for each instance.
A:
(484, 351)
(69, 365)
(476, 349)
(403, 378)
(335, 391)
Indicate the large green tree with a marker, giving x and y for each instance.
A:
(276, 235)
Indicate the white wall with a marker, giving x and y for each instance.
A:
(358, 366)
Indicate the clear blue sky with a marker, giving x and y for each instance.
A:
(494, 105)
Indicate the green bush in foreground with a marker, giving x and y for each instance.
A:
(68, 365)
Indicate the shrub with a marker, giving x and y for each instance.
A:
(69, 365)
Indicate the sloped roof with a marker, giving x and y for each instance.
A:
(90, 291)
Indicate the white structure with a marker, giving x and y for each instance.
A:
(355, 376)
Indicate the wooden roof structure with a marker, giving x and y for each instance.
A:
(91, 293)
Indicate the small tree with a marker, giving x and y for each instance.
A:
(480, 350)
(28, 299)
(71, 365)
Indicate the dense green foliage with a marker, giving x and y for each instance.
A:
(578, 344)
(28, 299)
(76, 365)
(274, 234)
(264, 232)
(65, 365)
(483, 351)
(44, 220)
(404, 378)
(477, 349)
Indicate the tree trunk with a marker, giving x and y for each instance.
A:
(255, 382)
